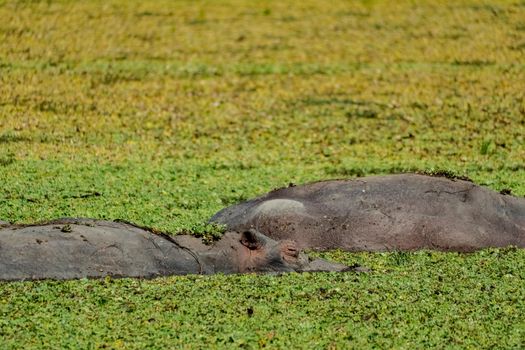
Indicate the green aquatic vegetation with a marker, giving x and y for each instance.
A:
(431, 299)
(161, 113)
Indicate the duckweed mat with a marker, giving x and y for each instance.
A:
(163, 112)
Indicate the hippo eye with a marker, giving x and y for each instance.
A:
(289, 249)
(289, 254)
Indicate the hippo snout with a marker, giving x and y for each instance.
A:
(320, 265)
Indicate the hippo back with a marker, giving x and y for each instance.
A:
(85, 248)
(396, 212)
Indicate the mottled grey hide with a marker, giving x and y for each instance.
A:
(87, 248)
(384, 213)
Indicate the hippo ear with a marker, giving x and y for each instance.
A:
(251, 240)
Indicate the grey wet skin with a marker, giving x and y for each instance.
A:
(385, 213)
(87, 248)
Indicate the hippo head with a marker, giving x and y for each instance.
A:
(255, 252)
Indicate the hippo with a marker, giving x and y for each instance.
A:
(88, 248)
(401, 212)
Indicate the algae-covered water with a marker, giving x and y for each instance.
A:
(163, 112)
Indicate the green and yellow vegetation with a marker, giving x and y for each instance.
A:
(163, 112)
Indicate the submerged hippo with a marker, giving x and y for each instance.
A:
(382, 213)
(80, 248)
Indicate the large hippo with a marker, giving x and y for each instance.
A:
(383, 213)
(88, 248)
